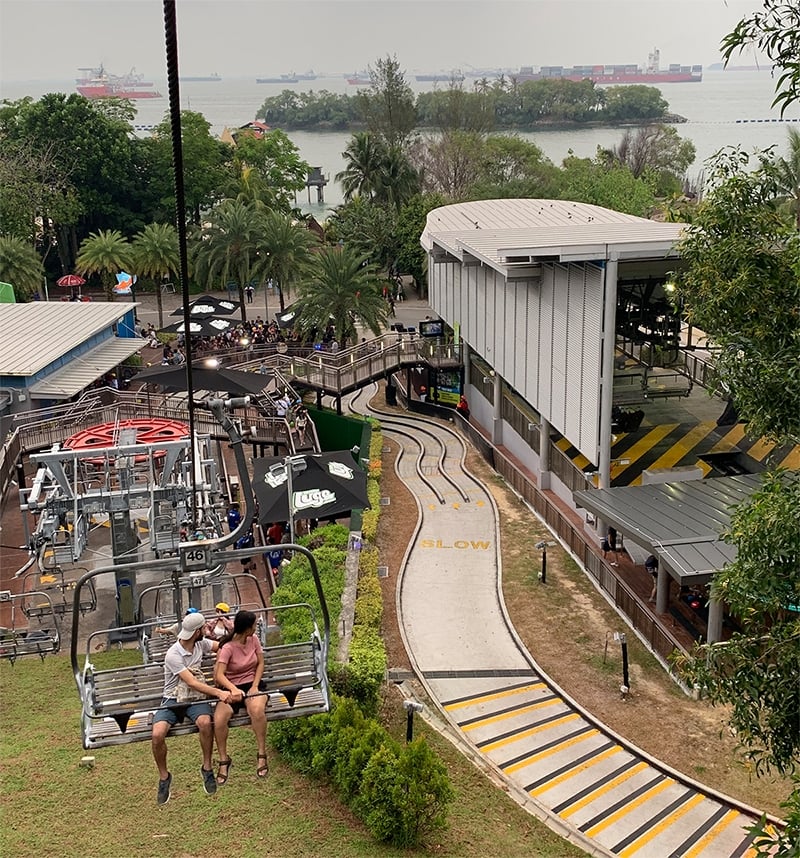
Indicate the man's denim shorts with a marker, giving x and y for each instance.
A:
(174, 712)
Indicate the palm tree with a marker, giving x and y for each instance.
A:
(287, 246)
(398, 181)
(105, 252)
(155, 255)
(364, 157)
(343, 290)
(229, 246)
(21, 266)
(789, 176)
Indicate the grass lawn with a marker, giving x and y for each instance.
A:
(52, 806)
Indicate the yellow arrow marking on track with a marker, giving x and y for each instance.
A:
(431, 506)
(624, 811)
(550, 751)
(493, 719)
(479, 503)
(661, 826)
(497, 695)
(588, 799)
(609, 752)
(711, 834)
(456, 506)
(532, 731)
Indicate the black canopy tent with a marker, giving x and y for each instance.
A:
(323, 485)
(232, 381)
(209, 305)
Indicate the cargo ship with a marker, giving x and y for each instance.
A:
(440, 77)
(102, 84)
(211, 78)
(652, 73)
(284, 78)
(360, 79)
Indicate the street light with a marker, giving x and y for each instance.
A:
(542, 546)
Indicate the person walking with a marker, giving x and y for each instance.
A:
(239, 669)
(249, 291)
(182, 662)
(651, 564)
(609, 545)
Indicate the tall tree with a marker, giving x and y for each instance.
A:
(788, 170)
(344, 287)
(364, 158)
(90, 148)
(206, 160)
(286, 248)
(276, 161)
(155, 255)
(105, 253)
(742, 287)
(228, 246)
(398, 181)
(387, 105)
(20, 266)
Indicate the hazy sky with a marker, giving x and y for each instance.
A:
(50, 39)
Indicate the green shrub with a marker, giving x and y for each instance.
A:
(405, 794)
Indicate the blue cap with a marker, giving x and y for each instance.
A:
(191, 610)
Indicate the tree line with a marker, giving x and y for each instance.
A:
(503, 103)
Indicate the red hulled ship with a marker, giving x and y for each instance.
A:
(99, 83)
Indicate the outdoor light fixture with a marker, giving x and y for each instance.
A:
(244, 342)
(542, 546)
(411, 706)
(212, 363)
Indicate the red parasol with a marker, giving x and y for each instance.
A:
(70, 280)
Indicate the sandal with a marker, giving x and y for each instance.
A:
(222, 779)
(263, 769)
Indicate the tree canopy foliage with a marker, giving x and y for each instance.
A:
(776, 31)
(742, 287)
(501, 104)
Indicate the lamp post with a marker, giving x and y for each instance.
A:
(290, 465)
(626, 685)
(542, 546)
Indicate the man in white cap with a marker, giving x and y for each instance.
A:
(182, 657)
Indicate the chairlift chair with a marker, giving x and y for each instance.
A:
(16, 642)
(118, 702)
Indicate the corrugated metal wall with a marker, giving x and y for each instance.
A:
(542, 336)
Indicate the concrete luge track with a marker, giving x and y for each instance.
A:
(591, 785)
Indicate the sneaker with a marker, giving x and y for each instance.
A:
(163, 790)
(209, 781)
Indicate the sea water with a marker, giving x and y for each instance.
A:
(724, 109)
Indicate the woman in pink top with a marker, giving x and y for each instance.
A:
(240, 665)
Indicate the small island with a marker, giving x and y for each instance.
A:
(504, 104)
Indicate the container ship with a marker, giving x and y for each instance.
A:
(101, 84)
(650, 74)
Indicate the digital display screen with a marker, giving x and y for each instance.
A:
(432, 328)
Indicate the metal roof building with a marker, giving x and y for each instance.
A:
(533, 288)
(52, 350)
